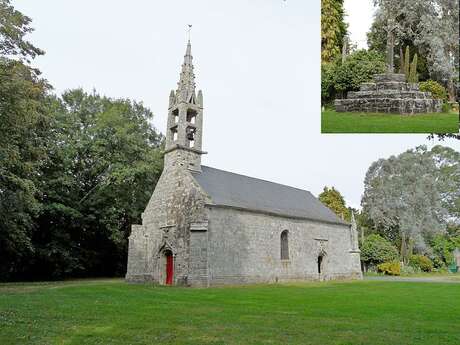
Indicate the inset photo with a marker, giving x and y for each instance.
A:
(389, 66)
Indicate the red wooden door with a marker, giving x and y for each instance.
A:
(169, 269)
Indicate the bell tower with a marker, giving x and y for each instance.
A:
(185, 120)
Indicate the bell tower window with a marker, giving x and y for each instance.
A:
(191, 131)
(175, 114)
(174, 133)
(191, 116)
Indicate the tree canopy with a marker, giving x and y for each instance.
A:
(413, 196)
(333, 29)
(332, 198)
(430, 27)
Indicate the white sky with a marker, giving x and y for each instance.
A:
(359, 16)
(257, 62)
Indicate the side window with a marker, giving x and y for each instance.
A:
(284, 245)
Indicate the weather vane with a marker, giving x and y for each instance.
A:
(189, 30)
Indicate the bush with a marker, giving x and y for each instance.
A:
(437, 90)
(421, 262)
(358, 68)
(390, 268)
(408, 270)
(376, 249)
(446, 107)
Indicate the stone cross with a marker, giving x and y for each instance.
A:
(391, 26)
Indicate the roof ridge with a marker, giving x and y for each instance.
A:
(259, 179)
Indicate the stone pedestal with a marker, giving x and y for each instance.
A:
(389, 93)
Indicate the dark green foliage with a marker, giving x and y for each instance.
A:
(25, 123)
(376, 250)
(421, 262)
(13, 27)
(104, 161)
(390, 268)
(437, 90)
(359, 67)
(443, 247)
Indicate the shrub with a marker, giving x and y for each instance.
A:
(339, 78)
(446, 107)
(408, 270)
(376, 249)
(421, 262)
(390, 268)
(358, 68)
(437, 90)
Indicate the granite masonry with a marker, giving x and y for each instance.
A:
(204, 226)
(389, 93)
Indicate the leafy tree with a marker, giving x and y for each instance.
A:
(402, 194)
(333, 29)
(13, 27)
(376, 249)
(443, 247)
(432, 27)
(332, 198)
(24, 132)
(105, 159)
(359, 67)
(447, 162)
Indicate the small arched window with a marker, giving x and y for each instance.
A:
(284, 245)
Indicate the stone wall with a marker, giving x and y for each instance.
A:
(389, 93)
(176, 203)
(244, 247)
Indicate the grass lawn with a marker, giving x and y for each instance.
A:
(113, 312)
(333, 122)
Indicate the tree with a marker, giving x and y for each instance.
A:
(333, 29)
(376, 250)
(24, 131)
(402, 194)
(13, 27)
(104, 162)
(332, 198)
(432, 28)
(339, 78)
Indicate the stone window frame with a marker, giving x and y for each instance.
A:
(284, 245)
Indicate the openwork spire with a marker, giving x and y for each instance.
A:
(186, 84)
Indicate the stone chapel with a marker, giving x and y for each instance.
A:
(204, 226)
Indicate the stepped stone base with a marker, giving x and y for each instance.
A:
(389, 94)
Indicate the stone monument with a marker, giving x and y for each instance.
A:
(390, 92)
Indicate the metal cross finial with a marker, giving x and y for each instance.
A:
(188, 31)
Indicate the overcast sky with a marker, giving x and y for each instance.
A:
(257, 62)
(359, 17)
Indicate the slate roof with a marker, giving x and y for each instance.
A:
(229, 189)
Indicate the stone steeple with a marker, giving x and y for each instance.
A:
(185, 119)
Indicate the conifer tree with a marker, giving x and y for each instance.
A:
(333, 29)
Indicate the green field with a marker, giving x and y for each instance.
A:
(333, 122)
(113, 312)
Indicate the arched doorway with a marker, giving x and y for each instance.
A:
(169, 267)
(320, 263)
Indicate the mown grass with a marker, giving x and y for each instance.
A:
(113, 312)
(333, 122)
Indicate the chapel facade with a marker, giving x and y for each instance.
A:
(204, 226)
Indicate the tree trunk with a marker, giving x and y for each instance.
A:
(403, 248)
(451, 90)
